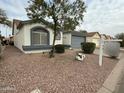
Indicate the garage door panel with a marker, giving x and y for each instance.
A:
(76, 41)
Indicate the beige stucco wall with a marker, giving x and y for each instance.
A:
(22, 36)
(15, 29)
(104, 37)
(95, 39)
(96, 36)
(88, 39)
(67, 38)
(19, 38)
(27, 32)
(58, 41)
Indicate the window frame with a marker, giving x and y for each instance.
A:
(39, 30)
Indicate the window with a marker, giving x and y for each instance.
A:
(58, 35)
(35, 38)
(39, 37)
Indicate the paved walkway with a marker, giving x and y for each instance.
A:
(115, 81)
(120, 84)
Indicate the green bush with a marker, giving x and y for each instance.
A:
(59, 48)
(122, 43)
(120, 36)
(88, 47)
(67, 46)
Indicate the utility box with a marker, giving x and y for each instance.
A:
(112, 48)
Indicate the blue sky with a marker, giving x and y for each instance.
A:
(104, 16)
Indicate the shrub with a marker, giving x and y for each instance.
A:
(88, 47)
(59, 48)
(67, 46)
(120, 36)
(11, 43)
(122, 43)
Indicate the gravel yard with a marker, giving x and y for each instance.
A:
(22, 73)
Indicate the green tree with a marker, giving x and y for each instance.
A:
(3, 16)
(3, 20)
(65, 14)
(120, 36)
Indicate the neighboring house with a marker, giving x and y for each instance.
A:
(74, 38)
(108, 37)
(94, 37)
(104, 36)
(34, 37)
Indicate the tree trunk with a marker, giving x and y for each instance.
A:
(54, 38)
(0, 49)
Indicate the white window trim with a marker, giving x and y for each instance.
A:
(40, 38)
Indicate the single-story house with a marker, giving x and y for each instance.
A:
(34, 37)
(93, 37)
(108, 37)
(74, 38)
(104, 36)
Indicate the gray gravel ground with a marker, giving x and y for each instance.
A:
(22, 73)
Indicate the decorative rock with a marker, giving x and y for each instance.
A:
(36, 91)
(70, 48)
(80, 57)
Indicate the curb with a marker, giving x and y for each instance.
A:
(110, 84)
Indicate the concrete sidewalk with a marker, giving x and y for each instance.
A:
(122, 50)
(120, 85)
(114, 83)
